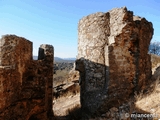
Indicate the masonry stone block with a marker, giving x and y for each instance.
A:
(113, 50)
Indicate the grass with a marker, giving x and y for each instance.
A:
(60, 77)
(74, 113)
(71, 90)
(150, 101)
(155, 60)
(61, 73)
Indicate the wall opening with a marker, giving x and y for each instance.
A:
(66, 89)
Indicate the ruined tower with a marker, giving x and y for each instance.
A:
(25, 84)
(113, 58)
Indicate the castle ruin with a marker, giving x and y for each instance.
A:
(25, 84)
(113, 58)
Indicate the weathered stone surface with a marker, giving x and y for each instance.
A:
(113, 58)
(25, 84)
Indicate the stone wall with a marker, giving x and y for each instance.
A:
(25, 84)
(112, 58)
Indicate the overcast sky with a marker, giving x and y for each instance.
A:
(55, 22)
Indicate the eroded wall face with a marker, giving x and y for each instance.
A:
(93, 37)
(25, 84)
(93, 32)
(112, 58)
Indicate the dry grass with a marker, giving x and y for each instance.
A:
(155, 60)
(63, 104)
(61, 73)
(150, 101)
(74, 113)
(60, 77)
(67, 90)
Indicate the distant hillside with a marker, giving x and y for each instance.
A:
(66, 60)
(69, 59)
(57, 59)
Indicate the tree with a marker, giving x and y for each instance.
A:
(155, 48)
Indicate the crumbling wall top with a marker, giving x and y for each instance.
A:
(14, 49)
(113, 50)
(25, 84)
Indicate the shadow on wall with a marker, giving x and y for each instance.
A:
(98, 95)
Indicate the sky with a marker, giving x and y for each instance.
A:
(55, 22)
